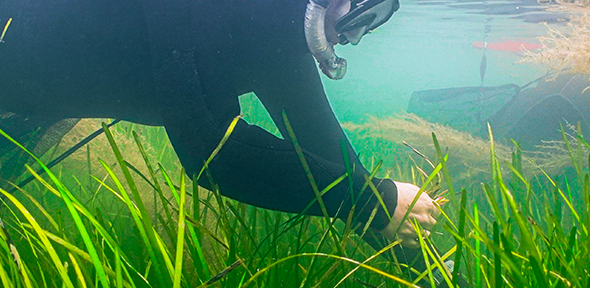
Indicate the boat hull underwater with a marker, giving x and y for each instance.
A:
(528, 115)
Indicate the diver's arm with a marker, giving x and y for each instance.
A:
(294, 86)
(299, 92)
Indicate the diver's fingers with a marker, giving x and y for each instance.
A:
(411, 243)
(430, 223)
(411, 240)
(435, 212)
(427, 221)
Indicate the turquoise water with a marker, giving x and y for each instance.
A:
(428, 45)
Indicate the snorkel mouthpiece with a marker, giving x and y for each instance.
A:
(334, 68)
(315, 34)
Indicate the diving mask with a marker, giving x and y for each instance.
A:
(364, 16)
(351, 25)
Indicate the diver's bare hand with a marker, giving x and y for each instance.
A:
(424, 211)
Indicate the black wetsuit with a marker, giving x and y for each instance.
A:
(182, 64)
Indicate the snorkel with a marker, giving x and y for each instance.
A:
(315, 34)
(331, 22)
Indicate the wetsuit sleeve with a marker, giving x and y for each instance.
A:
(294, 86)
(201, 86)
(254, 166)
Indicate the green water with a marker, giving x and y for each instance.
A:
(428, 45)
(515, 226)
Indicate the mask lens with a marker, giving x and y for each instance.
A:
(361, 21)
(370, 14)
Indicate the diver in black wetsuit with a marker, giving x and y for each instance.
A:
(182, 64)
